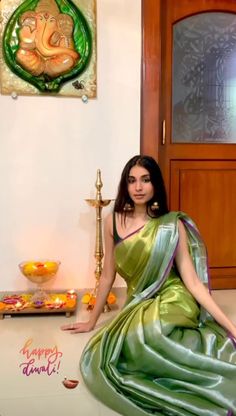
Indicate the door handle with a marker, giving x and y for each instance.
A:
(163, 132)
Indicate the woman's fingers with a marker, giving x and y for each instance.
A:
(68, 327)
(77, 327)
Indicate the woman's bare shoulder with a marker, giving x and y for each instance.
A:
(108, 223)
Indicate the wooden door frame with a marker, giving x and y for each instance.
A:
(150, 129)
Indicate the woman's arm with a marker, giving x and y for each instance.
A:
(105, 283)
(195, 286)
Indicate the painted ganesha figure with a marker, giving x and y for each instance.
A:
(46, 41)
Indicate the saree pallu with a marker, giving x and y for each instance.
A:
(162, 354)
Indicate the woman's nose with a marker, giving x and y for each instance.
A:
(138, 185)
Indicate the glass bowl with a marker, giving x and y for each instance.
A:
(39, 272)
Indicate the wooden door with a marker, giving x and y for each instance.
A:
(196, 148)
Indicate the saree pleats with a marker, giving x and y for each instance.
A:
(162, 354)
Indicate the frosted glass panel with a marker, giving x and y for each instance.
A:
(204, 79)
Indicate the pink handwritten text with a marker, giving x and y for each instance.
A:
(40, 360)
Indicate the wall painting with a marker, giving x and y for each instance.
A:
(48, 47)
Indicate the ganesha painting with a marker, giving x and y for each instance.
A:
(48, 46)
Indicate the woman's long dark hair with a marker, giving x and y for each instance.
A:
(156, 178)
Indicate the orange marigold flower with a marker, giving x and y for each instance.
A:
(111, 299)
(70, 303)
(2, 305)
(92, 301)
(86, 298)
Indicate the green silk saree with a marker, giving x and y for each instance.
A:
(162, 354)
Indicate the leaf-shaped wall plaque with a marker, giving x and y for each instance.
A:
(47, 43)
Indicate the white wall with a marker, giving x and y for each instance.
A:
(51, 148)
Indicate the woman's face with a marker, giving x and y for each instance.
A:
(140, 187)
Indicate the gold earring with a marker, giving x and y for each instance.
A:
(128, 207)
(155, 206)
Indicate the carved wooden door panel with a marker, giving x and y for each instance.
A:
(188, 117)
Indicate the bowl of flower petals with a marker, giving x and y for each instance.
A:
(39, 272)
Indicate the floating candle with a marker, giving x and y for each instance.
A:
(71, 293)
(58, 303)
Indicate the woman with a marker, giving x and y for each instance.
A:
(167, 352)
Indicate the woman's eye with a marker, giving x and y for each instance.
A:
(146, 180)
(130, 180)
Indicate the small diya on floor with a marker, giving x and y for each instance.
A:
(70, 384)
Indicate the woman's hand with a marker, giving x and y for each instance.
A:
(105, 283)
(78, 327)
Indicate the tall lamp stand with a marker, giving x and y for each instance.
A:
(98, 203)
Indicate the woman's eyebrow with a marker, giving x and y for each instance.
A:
(142, 176)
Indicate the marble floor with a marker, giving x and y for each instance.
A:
(29, 342)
